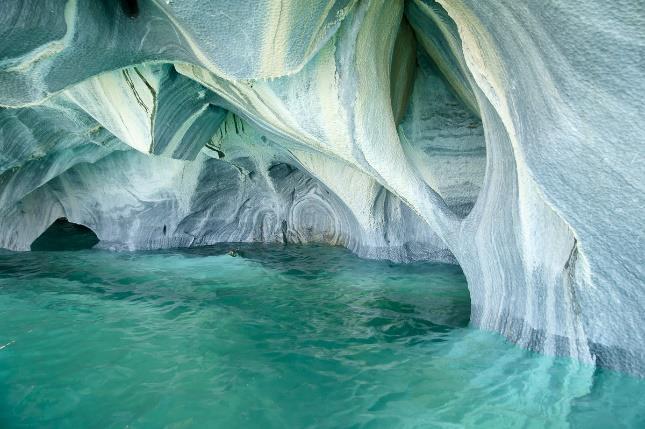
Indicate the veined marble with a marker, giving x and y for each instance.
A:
(504, 136)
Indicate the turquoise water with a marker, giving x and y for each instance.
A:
(277, 337)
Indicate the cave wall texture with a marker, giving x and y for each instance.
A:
(503, 135)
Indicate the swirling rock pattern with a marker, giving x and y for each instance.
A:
(502, 135)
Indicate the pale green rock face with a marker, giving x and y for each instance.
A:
(503, 136)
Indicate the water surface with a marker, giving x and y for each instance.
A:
(277, 337)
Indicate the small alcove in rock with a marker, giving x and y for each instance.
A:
(64, 235)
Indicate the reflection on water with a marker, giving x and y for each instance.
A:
(275, 337)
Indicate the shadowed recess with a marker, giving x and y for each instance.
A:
(65, 235)
(130, 8)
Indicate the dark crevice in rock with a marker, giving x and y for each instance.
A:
(130, 8)
(65, 235)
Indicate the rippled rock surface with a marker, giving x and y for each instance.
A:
(504, 136)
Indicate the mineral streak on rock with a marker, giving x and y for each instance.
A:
(500, 135)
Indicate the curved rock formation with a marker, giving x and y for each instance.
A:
(502, 135)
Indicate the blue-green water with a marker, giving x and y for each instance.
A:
(277, 337)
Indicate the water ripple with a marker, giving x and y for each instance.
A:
(277, 337)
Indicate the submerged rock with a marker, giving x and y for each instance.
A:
(499, 135)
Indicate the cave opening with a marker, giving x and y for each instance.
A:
(435, 107)
(65, 235)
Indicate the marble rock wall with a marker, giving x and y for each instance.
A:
(505, 136)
